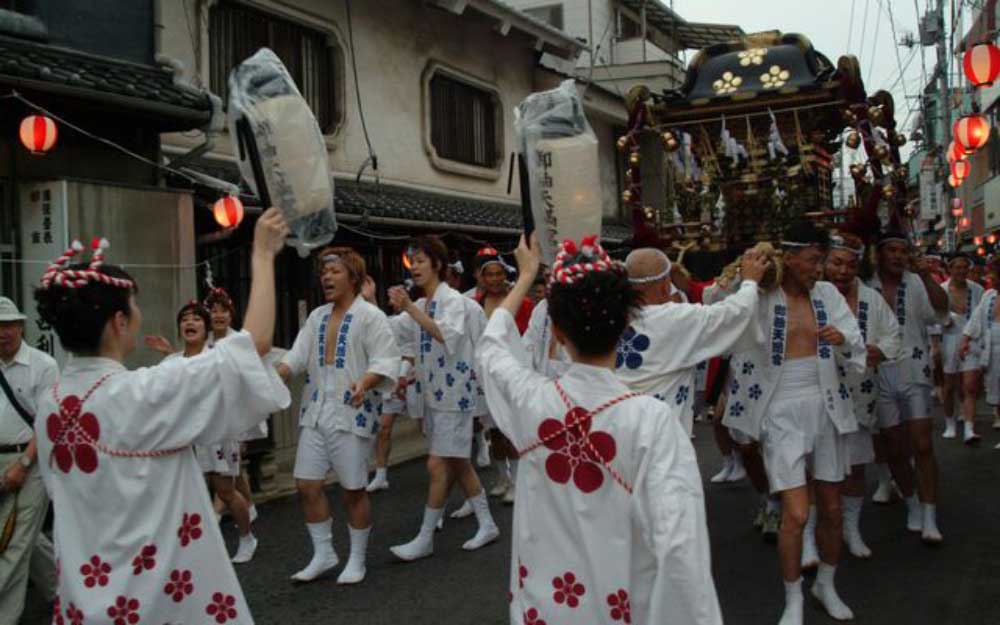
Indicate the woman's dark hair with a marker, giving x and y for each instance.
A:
(79, 315)
(594, 311)
(433, 248)
(198, 309)
(221, 298)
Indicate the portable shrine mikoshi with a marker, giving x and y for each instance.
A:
(748, 142)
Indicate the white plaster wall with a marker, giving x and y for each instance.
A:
(394, 41)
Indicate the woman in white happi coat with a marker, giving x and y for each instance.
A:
(660, 351)
(447, 324)
(349, 355)
(609, 524)
(984, 328)
(880, 331)
(791, 393)
(961, 371)
(134, 531)
(193, 324)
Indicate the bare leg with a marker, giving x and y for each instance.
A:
(316, 509)
(383, 445)
(441, 481)
(952, 384)
(794, 514)
(829, 536)
(243, 486)
(896, 447)
(359, 526)
(970, 391)
(225, 488)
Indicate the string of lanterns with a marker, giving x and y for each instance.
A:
(38, 133)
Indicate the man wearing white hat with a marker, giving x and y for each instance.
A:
(27, 372)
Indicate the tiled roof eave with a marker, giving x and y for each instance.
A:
(193, 117)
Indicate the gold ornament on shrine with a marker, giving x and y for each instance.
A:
(649, 212)
(622, 143)
(853, 140)
(899, 139)
(902, 173)
(882, 152)
(850, 118)
(889, 191)
(627, 196)
(634, 159)
(876, 115)
(858, 170)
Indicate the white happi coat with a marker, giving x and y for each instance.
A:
(611, 531)
(445, 379)
(660, 352)
(538, 340)
(878, 327)
(364, 344)
(973, 295)
(979, 329)
(914, 314)
(756, 373)
(135, 535)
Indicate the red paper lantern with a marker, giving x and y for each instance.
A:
(991, 239)
(956, 153)
(964, 223)
(961, 169)
(977, 240)
(971, 132)
(982, 64)
(38, 133)
(228, 211)
(953, 181)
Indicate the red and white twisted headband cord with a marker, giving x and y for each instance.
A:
(58, 274)
(573, 263)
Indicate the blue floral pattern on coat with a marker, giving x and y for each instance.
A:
(682, 395)
(630, 348)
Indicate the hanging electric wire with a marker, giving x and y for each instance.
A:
(871, 59)
(850, 27)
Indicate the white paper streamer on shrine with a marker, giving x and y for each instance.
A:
(775, 145)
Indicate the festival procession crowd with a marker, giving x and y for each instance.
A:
(815, 358)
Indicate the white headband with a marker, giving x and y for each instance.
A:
(797, 244)
(331, 258)
(457, 267)
(839, 244)
(891, 239)
(660, 276)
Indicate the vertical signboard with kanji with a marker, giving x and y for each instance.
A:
(43, 238)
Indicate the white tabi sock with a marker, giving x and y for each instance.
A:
(738, 473)
(914, 514)
(825, 591)
(931, 533)
(380, 481)
(324, 557)
(423, 545)
(512, 469)
(488, 530)
(464, 511)
(810, 555)
(253, 513)
(852, 527)
(724, 472)
(355, 570)
(950, 427)
(793, 604)
(246, 549)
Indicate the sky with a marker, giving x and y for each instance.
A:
(833, 32)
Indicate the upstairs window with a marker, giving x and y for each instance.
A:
(464, 122)
(314, 62)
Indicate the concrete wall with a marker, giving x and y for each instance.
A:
(145, 227)
(395, 43)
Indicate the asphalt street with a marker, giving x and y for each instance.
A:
(905, 581)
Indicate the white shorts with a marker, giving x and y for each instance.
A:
(324, 449)
(950, 359)
(449, 434)
(391, 404)
(222, 458)
(860, 449)
(798, 436)
(900, 400)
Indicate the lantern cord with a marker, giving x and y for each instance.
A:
(209, 183)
